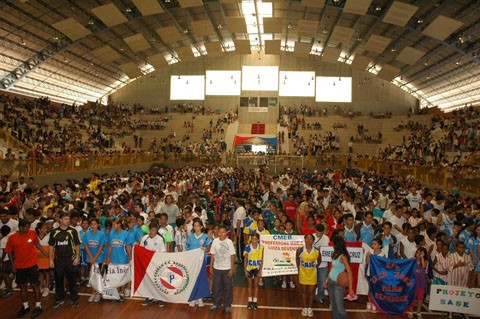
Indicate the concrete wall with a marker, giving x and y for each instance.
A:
(375, 95)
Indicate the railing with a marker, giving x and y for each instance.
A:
(445, 177)
(12, 142)
(276, 164)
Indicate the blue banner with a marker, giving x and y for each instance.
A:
(392, 284)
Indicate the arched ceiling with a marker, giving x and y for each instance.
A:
(79, 50)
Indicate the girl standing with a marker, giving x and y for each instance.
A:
(43, 262)
(340, 263)
(307, 260)
(119, 248)
(94, 240)
(198, 239)
(421, 283)
(253, 257)
(376, 250)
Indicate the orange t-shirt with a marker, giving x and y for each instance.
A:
(23, 248)
(43, 261)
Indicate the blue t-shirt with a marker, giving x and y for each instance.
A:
(94, 241)
(194, 242)
(135, 234)
(366, 234)
(118, 241)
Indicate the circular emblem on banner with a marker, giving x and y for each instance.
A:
(171, 278)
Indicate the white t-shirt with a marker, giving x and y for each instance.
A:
(180, 239)
(409, 248)
(240, 214)
(399, 221)
(154, 244)
(12, 223)
(317, 243)
(222, 250)
(3, 245)
(414, 200)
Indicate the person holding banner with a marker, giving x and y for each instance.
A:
(308, 258)
(340, 263)
(322, 268)
(198, 239)
(420, 280)
(94, 240)
(119, 248)
(153, 241)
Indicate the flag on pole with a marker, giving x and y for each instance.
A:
(171, 277)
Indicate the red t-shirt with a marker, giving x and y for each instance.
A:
(290, 209)
(23, 248)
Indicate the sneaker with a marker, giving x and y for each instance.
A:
(161, 304)
(36, 312)
(255, 306)
(369, 306)
(91, 298)
(351, 298)
(260, 282)
(147, 301)
(321, 301)
(122, 299)
(97, 298)
(310, 312)
(192, 304)
(304, 312)
(374, 309)
(89, 286)
(75, 304)
(292, 285)
(200, 303)
(45, 292)
(250, 305)
(58, 303)
(284, 284)
(228, 310)
(213, 308)
(23, 312)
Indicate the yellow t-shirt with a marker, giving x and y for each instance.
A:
(308, 266)
(254, 257)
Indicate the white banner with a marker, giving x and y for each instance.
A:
(279, 252)
(455, 299)
(356, 254)
(171, 277)
(116, 276)
(258, 109)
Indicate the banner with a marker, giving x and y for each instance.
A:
(258, 109)
(356, 254)
(392, 284)
(455, 299)
(172, 277)
(116, 276)
(279, 252)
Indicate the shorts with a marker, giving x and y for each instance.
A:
(83, 258)
(28, 275)
(6, 267)
(253, 273)
(419, 293)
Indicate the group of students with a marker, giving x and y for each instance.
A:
(225, 211)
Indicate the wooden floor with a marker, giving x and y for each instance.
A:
(273, 303)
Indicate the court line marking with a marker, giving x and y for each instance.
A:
(270, 307)
(261, 307)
